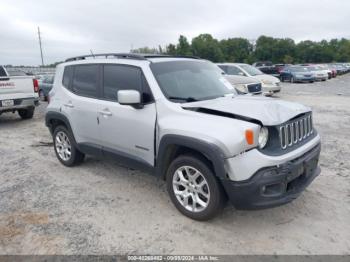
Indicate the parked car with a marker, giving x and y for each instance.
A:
(270, 84)
(280, 67)
(319, 73)
(178, 119)
(267, 68)
(347, 65)
(18, 93)
(244, 84)
(295, 74)
(326, 69)
(340, 69)
(45, 86)
(332, 69)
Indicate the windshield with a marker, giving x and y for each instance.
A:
(251, 70)
(189, 81)
(299, 69)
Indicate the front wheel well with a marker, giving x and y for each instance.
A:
(173, 151)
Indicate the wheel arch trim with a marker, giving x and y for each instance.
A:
(211, 151)
(50, 116)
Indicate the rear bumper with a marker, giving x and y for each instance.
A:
(277, 185)
(20, 103)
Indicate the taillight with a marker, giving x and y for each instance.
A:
(36, 85)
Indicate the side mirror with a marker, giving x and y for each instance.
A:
(241, 73)
(129, 97)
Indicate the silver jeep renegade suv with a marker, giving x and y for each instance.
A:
(179, 119)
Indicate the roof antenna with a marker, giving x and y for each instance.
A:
(92, 53)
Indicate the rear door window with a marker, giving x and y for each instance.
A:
(86, 80)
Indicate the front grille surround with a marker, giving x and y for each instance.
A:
(295, 131)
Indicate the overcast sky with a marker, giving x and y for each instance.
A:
(73, 27)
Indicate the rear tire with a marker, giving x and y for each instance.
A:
(26, 113)
(65, 147)
(193, 188)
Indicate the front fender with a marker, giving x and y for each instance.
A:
(209, 150)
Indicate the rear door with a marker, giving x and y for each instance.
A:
(126, 130)
(81, 102)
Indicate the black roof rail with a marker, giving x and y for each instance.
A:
(127, 56)
(169, 56)
(106, 55)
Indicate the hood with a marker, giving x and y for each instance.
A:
(268, 78)
(236, 80)
(268, 111)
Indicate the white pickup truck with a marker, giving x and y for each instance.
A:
(18, 93)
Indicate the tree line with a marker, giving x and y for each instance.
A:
(265, 48)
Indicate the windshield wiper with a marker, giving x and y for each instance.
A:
(187, 99)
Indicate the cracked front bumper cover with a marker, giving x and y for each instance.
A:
(274, 186)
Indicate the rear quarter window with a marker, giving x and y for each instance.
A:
(67, 76)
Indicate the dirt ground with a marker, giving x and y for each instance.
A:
(102, 208)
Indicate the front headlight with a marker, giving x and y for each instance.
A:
(300, 76)
(241, 87)
(263, 137)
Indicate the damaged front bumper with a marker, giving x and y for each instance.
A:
(275, 185)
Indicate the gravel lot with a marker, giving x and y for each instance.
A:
(102, 208)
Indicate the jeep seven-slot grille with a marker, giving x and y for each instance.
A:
(295, 131)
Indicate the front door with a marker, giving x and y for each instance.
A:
(126, 130)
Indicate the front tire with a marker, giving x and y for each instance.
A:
(26, 113)
(65, 148)
(193, 188)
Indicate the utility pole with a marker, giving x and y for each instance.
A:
(41, 50)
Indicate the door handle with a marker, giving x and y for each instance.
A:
(105, 112)
(69, 104)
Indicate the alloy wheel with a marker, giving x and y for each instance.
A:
(191, 189)
(63, 146)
